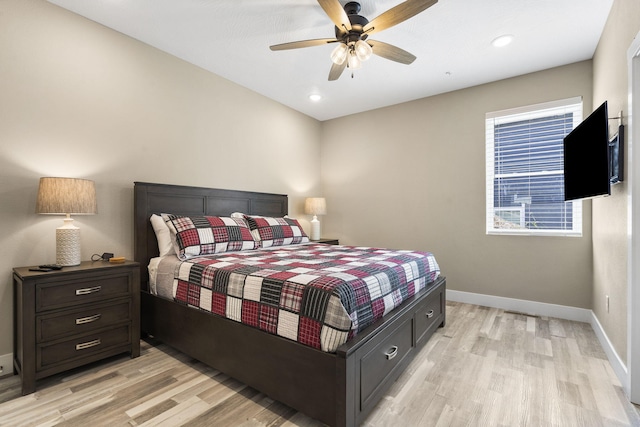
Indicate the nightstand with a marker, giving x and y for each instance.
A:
(70, 317)
(327, 241)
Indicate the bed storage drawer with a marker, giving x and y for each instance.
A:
(429, 315)
(379, 360)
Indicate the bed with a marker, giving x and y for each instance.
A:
(339, 387)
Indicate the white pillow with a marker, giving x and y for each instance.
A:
(165, 247)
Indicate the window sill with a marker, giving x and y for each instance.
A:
(534, 233)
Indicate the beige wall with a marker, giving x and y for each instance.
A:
(80, 100)
(413, 176)
(610, 83)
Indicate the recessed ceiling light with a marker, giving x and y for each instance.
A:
(502, 40)
(315, 97)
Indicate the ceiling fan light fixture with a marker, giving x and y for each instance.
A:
(339, 54)
(354, 62)
(363, 50)
(352, 33)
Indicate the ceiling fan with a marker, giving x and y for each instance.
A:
(353, 31)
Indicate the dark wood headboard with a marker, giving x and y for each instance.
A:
(182, 200)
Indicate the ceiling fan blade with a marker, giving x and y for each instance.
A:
(336, 70)
(388, 51)
(397, 14)
(336, 13)
(302, 43)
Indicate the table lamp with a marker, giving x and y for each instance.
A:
(315, 206)
(67, 196)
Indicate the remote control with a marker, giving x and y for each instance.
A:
(40, 269)
(51, 266)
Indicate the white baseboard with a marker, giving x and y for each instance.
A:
(522, 306)
(617, 364)
(550, 310)
(6, 361)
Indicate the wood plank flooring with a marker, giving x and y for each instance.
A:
(487, 367)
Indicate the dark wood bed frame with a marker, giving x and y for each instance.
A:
(339, 389)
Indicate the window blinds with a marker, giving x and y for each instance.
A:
(525, 170)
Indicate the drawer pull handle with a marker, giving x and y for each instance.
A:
(86, 291)
(88, 319)
(429, 314)
(88, 344)
(393, 352)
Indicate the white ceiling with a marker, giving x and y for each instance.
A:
(452, 42)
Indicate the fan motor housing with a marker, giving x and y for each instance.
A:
(357, 23)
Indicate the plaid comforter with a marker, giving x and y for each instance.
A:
(318, 295)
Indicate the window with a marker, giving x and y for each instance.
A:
(525, 170)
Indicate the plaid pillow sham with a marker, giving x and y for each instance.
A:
(276, 231)
(204, 235)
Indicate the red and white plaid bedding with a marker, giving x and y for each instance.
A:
(319, 295)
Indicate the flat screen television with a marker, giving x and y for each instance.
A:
(587, 157)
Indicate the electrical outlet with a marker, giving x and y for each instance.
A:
(607, 296)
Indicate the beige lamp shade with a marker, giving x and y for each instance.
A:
(315, 206)
(66, 196)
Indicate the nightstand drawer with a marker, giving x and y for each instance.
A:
(79, 321)
(82, 347)
(69, 293)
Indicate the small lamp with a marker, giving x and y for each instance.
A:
(66, 196)
(315, 206)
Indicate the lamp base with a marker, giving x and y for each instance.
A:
(68, 244)
(315, 228)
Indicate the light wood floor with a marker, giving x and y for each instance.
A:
(487, 367)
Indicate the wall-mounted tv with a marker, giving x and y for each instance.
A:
(591, 161)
